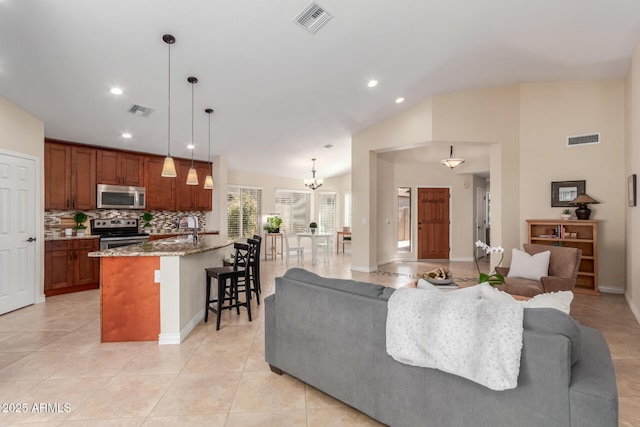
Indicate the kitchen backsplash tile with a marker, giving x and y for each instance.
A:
(163, 221)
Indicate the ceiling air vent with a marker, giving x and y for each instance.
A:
(140, 111)
(312, 17)
(593, 138)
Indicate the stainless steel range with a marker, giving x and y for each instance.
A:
(115, 233)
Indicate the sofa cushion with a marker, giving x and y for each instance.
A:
(352, 286)
(552, 321)
(526, 266)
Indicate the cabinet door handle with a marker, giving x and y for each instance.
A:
(31, 239)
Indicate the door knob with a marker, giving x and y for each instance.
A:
(31, 239)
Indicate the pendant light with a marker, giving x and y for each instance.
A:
(169, 168)
(208, 181)
(192, 178)
(313, 182)
(451, 162)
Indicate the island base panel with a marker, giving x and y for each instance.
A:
(130, 299)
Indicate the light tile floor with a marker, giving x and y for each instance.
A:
(51, 353)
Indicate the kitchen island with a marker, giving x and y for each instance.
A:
(155, 291)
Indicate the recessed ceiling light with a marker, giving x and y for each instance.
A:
(126, 135)
(372, 83)
(190, 146)
(328, 146)
(399, 100)
(116, 91)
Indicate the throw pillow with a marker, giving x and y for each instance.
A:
(527, 266)
(559, 300)
(489, 293)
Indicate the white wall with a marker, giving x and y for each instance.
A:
(549, 113)
(632, 166)
(525, 126)
(22, 133)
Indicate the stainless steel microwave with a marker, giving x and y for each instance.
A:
(121, 197)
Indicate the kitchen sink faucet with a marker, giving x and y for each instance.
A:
(189, 221)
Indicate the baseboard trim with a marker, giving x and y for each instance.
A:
(633, 308)
(174, 338)
(466, 259)
(40, 299)
(608, 290)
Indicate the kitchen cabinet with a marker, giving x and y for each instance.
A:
(120, 168)
(68, 267)
(70, 180)
(192, 197)
(160, 190)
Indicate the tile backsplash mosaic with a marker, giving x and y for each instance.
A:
(55, 221)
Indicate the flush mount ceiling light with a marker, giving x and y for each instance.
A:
(399, 100)
(192, 178)
(372, 83)
(208, 181)
(169, 167)
(126, 135)
(116, 91)
(452, 162)
(313, 182)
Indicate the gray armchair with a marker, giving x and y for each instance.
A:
(563, 270)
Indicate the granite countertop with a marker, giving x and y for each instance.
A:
(63, 237)
(165, 247)
(181, 231)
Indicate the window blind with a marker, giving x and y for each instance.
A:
(244, 207)
(327, 214)
(294, 208)
(347, 209)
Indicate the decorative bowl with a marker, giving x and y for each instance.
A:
(440, 281)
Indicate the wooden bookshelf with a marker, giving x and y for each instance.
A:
(581, 234)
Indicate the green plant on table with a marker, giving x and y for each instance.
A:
(566, 212)
(313, 225)
(273, 224)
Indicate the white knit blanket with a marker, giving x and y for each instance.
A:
(472, 338)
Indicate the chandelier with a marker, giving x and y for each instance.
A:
(313, 182)
(452, 162)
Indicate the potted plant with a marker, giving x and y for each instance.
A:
(566, 214)
(147, 217)
(313, 227)
(80, 218)
(273, 224)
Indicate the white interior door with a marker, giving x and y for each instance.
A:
(17, 232)
(481, 220)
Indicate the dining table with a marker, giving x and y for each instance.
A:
(314, 242)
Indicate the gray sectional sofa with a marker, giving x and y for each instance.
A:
(330, 333)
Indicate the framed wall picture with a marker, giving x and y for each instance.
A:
(563, 192)
(631, 190)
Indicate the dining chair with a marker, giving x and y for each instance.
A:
(327, 246)
(298, 250)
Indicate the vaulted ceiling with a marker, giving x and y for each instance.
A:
(280, 93)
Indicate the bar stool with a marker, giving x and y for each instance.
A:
(230, 279)
(254, 269)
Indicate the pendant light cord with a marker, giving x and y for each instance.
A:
(192, 103)
(169, 108)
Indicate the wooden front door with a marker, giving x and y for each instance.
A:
(433, 223)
